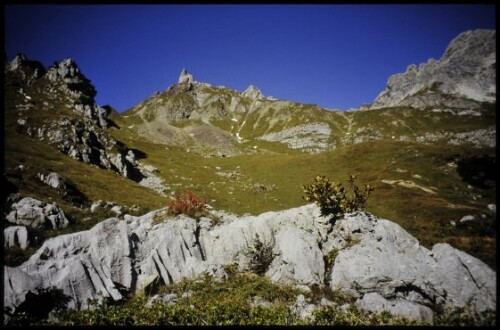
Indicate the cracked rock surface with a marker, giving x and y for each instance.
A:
(377, 262)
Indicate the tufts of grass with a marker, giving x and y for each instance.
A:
(207, 301)
(211, 302)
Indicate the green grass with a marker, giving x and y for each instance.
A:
(424, 215)
(205, 301)
(413, 122)
(222, 303)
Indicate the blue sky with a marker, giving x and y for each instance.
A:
(336, 56)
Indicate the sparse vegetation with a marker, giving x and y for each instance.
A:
(333, 198)
(211, 302)
(207, 301)
(260, 254)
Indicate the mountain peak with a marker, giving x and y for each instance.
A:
(253, 93)
(21, 62)
(185, 77)
(65, 69)
(466, 73)
(472, 43)
(68, 73)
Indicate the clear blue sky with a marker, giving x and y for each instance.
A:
(336, 56)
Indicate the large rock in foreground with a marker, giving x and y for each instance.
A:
(387, 269)
(377, 262)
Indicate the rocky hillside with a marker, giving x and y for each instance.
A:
(462, 79)
(57, 106)
(216, 120)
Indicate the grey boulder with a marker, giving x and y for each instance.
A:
(37, 214)
(15, 236)
(409, 279)
(53, 179)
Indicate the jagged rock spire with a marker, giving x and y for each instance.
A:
(185, 77)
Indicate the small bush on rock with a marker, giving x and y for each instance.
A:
(333, 198)
(261, 255)
(187, 203)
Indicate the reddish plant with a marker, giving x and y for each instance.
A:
(187, 203)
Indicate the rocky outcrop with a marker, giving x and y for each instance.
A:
(114, 254)
(53, 179)
(377, 262)
(24, 69)
(463, 77)
(185, 84)
(253, 93)
(65, 81)
(16, 236)
(387, 269)
(66, 189)
(312, 138)
(67, 73)
(112, 206)
(185, 77)
(80, 136)
(151, 180)
(85, 142)
(37, 214)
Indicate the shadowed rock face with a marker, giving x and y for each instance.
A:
(378, 262)
(466, 73)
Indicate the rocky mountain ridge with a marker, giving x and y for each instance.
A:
(203, 118)
(464, 77)
(80, 132)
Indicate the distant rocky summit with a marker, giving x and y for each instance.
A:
(464, 77)
(185, 77)
(253, 93)
(374, 260)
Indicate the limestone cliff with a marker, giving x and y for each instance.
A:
(463, 77)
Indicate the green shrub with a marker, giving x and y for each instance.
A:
(187, 203)
(261, 255)
(333, 198)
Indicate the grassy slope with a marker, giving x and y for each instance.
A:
(38, 156)
(282, 171)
